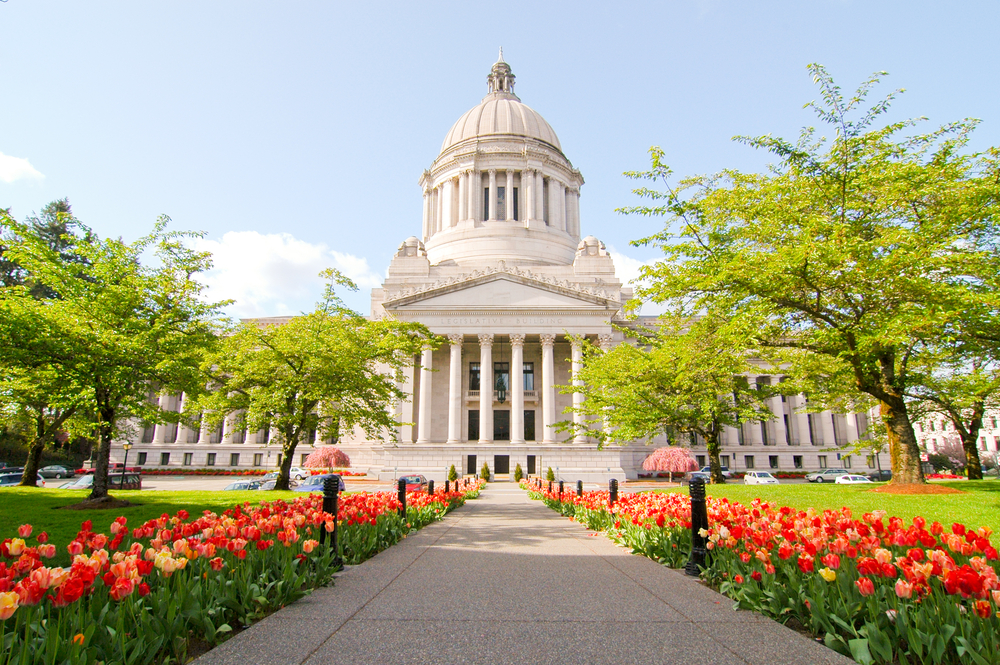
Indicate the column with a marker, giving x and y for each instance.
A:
(851, 420)
(205, 431)
(447, 204)
(778, 409)
(476, 196)
(406, 407)
(548, 389)
(539, 196)
(516, 388)
(424, 410)
(730, 436)
(509, 197)
(560, 213)
(577, 360)
(604, 341)
(486, 371)
(801, 420)
(528, 185)
(160, 429)
(463, 194)
(427, 214)
(227, 429)
(493, 199)
(826, 427)
(455, 390)
(183, 431)
(573, 214)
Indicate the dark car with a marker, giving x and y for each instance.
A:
(691, 475)
(414, 483)
(243, 485)
(11, 479)
(56, 471)
(132, 481)
(881, 475)
(315, 483)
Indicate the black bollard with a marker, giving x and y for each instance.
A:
(560, 491)
(402, 497)
(430, 487)
(550, 487)
(699, 521)
(331, 496)
(447, 486)
(613, 491)
(579, 488)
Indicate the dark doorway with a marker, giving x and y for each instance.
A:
(529, 425)
(501, 425)
(501, 464)
(471, 467)
(531, 463)
(473, 424)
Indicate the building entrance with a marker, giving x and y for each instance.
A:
(471, 466)
(501, 425)
(501, 464)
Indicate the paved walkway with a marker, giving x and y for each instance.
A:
(506, 580)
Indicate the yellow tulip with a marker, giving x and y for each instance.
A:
(8, 604)
(827, 574)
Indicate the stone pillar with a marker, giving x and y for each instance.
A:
(406, 406)
(476, 197)
(604, 341)
(778, 409)
(493, 196)
(573, 214)
(801, 421)
(516, 388)
(435, 210)
(424, 409)
(160, 429)
(427, 214)
(508, 196)
(560, 206)
(447, 203)
(205, 431)
(826, 426)
(539, 196)
(730, 435)
(851, 421)
(183, 431)
(455, 390)
(486, 370)
(577, 360)
(463, 194)
(228, 428)
(528, 191)
(548, 389)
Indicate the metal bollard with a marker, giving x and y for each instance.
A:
(331, 496)
(401, 484)
(430, 488)
(613, 491)
(550, 487)
(699, 521)
(447, 486)
(579, 488)
(560, 491)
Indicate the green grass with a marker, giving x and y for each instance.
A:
(45, 510)
(979, 505)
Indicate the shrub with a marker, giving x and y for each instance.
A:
(484, 473)
(452, 474)
(518, 473)
(550, 474)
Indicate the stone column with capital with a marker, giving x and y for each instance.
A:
(486, 382)
(427, 215)
(516, 388)
(493, 195)
(560, 213)
(826, 424)
(476, 197)
(463, 193)
(183, 431)
(573, 211)
(781, 436)
(528, 187)
(455, 390)
(160, 429)
(448, 204)
(578, 418)
(539, 196)
(851, 422)
(605, 341)
(508, 196)
(548, 388)
(424, 408)
(204, 430)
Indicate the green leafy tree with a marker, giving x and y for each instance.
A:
(452, 473)
(117, 329)
(484, 472)
(688, 376)
(518, 473)
(550, 474)
(853, 248)
(329, 369)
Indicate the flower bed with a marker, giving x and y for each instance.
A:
(943, 476)
(141, 595)
(210, 471)
(874, 588)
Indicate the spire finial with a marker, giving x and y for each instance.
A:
(501, 79)
(500, 59)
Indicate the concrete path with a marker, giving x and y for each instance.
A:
(506, 580)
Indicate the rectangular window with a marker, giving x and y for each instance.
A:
(797, 461)
(147, 434)
(529, 376)
(812, 428)
(871, 461)
(216, 435)
(847, 462)
(748, 461)
(486, 203)
(258, 459)
(529, 425)
(473, 424)
(545, 200)
(474, 376)
(142, 459)
(164, 459)
(234, 459)
(822, 461)
(701, 460)
(501, 377)
(531, 465)
(303, 458)
(772, 461)
(513, 202)
(788, 432)
(187, 458)
(724, 461)
(763, 434)
(982, 443)
(210, 460)
(501, 203)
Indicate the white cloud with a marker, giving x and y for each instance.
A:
(15, 168)
(277, 274)
(627, 269)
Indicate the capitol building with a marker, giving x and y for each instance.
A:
(501, 270)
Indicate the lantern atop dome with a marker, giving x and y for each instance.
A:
(501, 80)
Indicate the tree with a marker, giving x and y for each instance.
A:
(329, 369)
(686, 375)
(328, 457)
(117, 328)
(853, 249)
(672, 460)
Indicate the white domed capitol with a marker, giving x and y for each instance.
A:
(501, 272)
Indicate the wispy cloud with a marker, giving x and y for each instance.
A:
(15, 168)
(627, 269)
(277, 274)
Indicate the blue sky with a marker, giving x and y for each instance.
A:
(293, 133)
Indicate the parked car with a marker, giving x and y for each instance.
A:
(882, 475)
(267, 485)
(315, 483)
(759, 478)
(11, 479)
(852, 479)
(826, 475)
(298, 473)
(56, 471)
(243, 485)
(691, 475)
(273, 476)
(726, 473)
(414, 483)
(132, 481)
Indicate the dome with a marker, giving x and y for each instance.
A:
(501, 114)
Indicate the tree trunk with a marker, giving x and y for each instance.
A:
(903, 450)
(30, 476)
(973, 466)
(288, 450)
(712, 444)
(105, 430)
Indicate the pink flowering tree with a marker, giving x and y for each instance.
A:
(330, 457)
(672, 460)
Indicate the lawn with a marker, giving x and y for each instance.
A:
(979, 505)
(44, 509)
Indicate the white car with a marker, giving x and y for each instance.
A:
(826, 476)
(851, 479)
(759, 478)
(298, 473)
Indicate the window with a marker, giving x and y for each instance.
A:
(529, 376)
(788, 433)
(234, 459)
(258, 459)
(797, 461)
(513, 202)
(486, 210)
(822, 461)
(748, 461)
(944, 426)
(303, 459)
(147, 434)
(982, 443)
(871, 461)
(164, 459)
(216, 435)
(847, 462)
(724, 461)
(474, 377)
(142, 458)
(501, 203)
(187, 458)
(772, 461)
(474, 425)
(812, 428)
(501, 377)
(210, 460)
(529, 425)
(763, 434)
(701, 460)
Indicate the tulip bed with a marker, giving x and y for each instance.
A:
(148, 594)
(876, 589)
